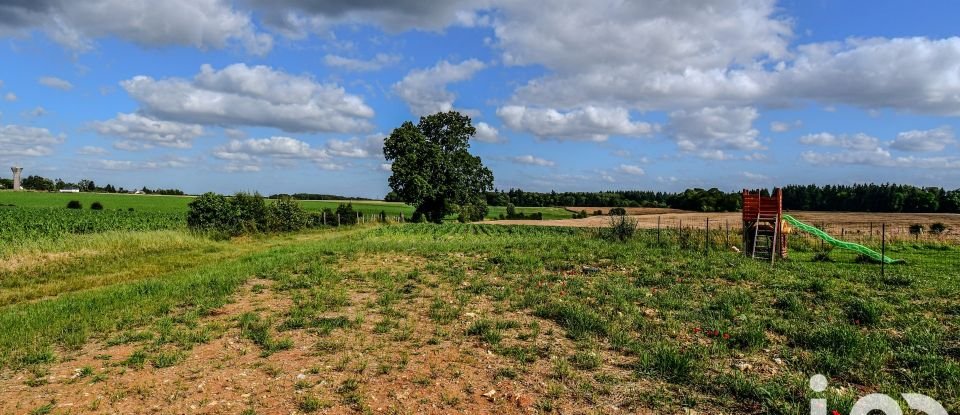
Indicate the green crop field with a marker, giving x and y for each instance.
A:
(553, 319)
(111, 201)
(31, 215)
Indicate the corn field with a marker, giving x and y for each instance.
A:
(17, 224)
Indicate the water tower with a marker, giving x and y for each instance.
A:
(16, 177)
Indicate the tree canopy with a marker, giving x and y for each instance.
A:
(433, 169)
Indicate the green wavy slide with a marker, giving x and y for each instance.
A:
(838, 243)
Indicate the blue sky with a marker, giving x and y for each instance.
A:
(296, 96)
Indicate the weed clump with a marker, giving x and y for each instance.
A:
(74, 204)
(622, 228)
(823, 254)
(863, 312)
(257, 330)
(668, 362)
(96, 206)
(938, 228)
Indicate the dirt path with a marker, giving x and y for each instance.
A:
(386, 356)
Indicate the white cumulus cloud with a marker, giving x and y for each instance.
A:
(486, 133)
(18, 140)
(631, 169)
(858, 141)
(936, 139)
(589, 123)
(532, 160)
(203, 24)
(379, 61)
(425, 90)
(241, 95)
(138, 132)
(56, 83)
(709, 131)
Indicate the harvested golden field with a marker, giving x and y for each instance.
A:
(843, 224)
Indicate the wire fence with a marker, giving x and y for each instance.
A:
(722, 237)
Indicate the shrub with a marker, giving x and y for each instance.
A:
(938, 228)
(243, 213)
(511, 209)
(916, 229)
(622, 228)
(74, 204)
(346, 213)
(286, 215)
(249, 214)
(328, 217)
(96, 206)
(617, 211)
(597, 212)
(473, 212)
(209, 211)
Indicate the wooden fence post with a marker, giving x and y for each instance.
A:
(707, 241)
(658, 230)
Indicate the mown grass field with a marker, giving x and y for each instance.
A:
(440, 318)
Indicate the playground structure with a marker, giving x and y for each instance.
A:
(764, 236)
(765, 229)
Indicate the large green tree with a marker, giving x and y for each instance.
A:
(432, 165)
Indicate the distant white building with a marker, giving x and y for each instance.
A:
(70, 190)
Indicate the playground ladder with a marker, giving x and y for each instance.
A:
(765, 242)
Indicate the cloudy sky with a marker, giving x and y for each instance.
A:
(297, 95)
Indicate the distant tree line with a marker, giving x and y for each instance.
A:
(712, 200)
(871, 198)
(859, 198)
(315, 196)
(40, 183)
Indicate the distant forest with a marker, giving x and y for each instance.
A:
(871, 198)
(316, 196)
(41, 183)
(859, 197)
